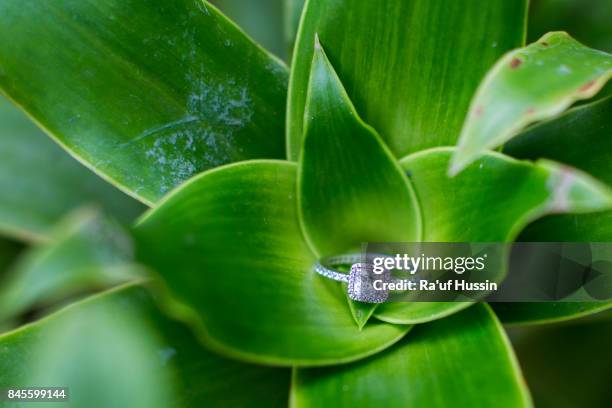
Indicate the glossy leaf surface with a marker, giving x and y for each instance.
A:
(236, 263)
(147, 93)
(491, 201)
(463, 360)
(528, 85)
(410, 67)
(40, 183)
(129, 347)
(351, 189)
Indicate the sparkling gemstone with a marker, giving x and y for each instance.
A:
(361, 284)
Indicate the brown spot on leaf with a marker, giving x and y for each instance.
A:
(478, 111)
(586, 86)
(515, 63)
(544, 43)
(530, 111)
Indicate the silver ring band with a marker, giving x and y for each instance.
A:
(323, 266)
(360, 281)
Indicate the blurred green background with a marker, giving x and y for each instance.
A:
(589, 21)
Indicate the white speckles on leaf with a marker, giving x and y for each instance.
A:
(202, 7)
(564, 69)
(204, 138)
(74, 118)
(215, 109)
(225, 103)
(279, 71)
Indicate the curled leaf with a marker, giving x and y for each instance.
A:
(528, 85)
(491, 201)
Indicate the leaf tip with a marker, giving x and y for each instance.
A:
(317, 43)
(575, 191)
(458, 162)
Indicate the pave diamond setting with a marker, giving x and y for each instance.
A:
(361, 284)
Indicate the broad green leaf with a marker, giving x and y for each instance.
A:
(464, 360)
(40, 183)
(528, 85)
(567, 366)
(101, 350)
(86, 252)
(410, 67)
(491, 201)
(581, 138)
(229, 247)
(117, 350)
(351, 189)
(145, 92)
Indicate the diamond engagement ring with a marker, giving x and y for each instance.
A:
(360, 279)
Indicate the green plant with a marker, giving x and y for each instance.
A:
(178, 108)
